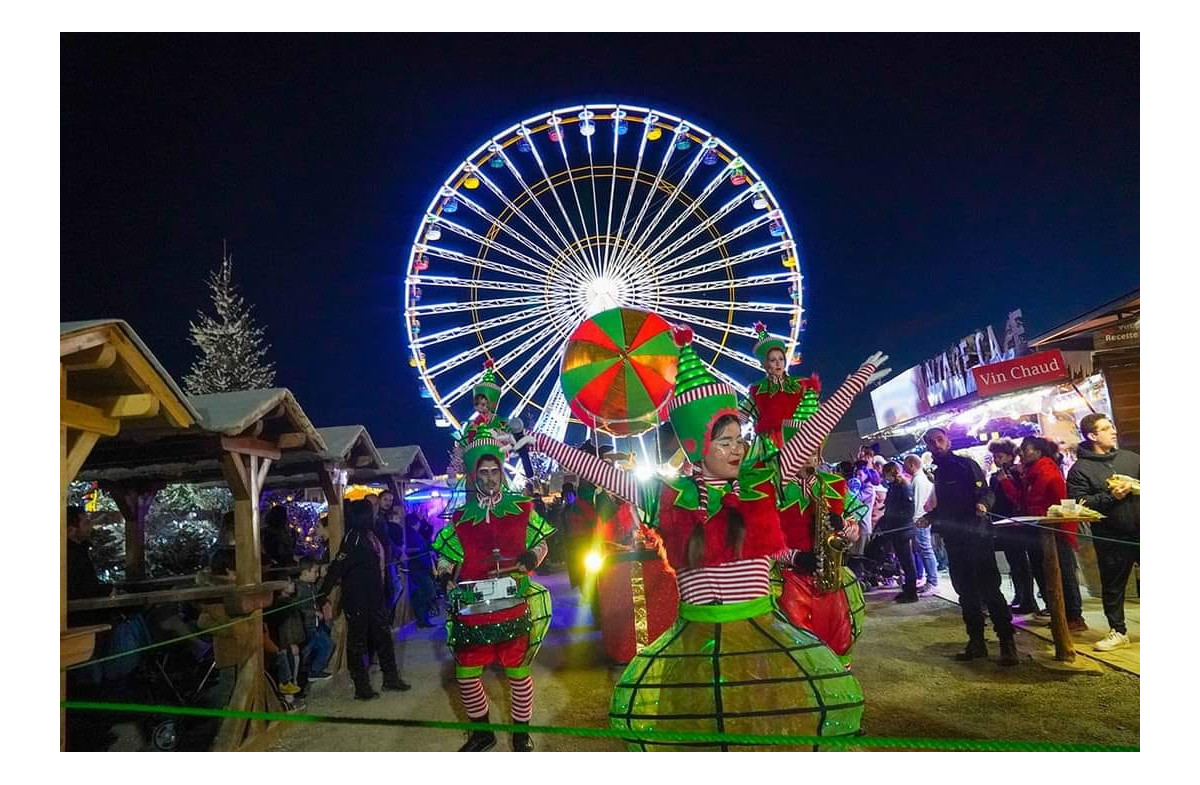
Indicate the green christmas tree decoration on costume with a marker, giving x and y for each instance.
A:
(487, 386)
(699, 399)
(808, 405)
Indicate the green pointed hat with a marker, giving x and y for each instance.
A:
(699, 400)
(767, 342)
(483, 444)
(487, 387)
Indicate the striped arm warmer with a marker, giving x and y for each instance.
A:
(800, 448)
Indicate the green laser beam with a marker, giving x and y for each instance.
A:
(882, 742)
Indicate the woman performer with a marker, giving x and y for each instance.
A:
(731, 663)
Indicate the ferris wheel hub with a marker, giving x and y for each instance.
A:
(601, 294)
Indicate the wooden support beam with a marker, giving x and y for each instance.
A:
(133, 406)
(147, 378)
(82, 342)
(290, 441)
(94, 358)
(78, 415)
(362, 460)
(334, 487)
(79, 446)
(134, 500)
(248, 446)
(253, 432)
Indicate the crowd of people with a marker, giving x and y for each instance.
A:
(952, 516)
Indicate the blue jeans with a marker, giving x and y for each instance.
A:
(926, 561)
(318, 647)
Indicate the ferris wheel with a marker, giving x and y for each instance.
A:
(578, 210)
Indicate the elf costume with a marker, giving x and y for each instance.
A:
(774, 400)
(731, 663)
(836, 617)
(487, 536)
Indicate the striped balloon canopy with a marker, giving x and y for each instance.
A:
(618, 371)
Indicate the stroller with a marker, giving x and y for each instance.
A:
(878, 567)
(182, 674)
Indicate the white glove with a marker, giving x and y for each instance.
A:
(877, 359)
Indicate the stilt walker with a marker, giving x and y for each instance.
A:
(777, 396)
(731, 663)
(498, 615)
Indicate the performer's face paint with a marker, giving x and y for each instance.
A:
(725, 452)
(488, 477)
(776, 364)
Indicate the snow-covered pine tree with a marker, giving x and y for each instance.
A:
(232, 351)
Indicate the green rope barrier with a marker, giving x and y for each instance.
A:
(882, 742)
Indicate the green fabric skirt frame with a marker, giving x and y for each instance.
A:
(757, 675)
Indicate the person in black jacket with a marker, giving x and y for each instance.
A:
(1091, 482)
(82, 582)
(1018, 542)
(962, 499)
(360, 569)
(896, 526)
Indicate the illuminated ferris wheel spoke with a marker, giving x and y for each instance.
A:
(612, 187)
(562, 146)
(694, 320)
(595, 200)
(502, 320)
(633, 183)
(722, 264)
(555, 415)
(476, 352)
(769, 279)
(651, 251)
(572, 260)
(504, 227)
(717, 242)
(478, 305)
(511, 253)
(653, 258)
(554, 192)
(550, 366)
(637, 221)
(487, 264)
(725, 305)
(670, 200)
(468, 283)
(498, 364)
(508, 203)
(510, 383)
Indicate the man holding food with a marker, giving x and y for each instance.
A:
(1107, 480)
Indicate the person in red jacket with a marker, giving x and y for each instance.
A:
(1043, 486)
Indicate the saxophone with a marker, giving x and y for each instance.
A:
(830, 548)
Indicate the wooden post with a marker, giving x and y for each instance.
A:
(245, 474)
(134, 500)
(333, 484)
(1064, 647)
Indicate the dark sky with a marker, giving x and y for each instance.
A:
(934, 182)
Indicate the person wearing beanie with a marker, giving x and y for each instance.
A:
(730, 663)
(497, 534)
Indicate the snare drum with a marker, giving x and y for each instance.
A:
(486, 612)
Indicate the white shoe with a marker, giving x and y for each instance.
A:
(1114, 640)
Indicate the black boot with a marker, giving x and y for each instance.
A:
(479, 740)
(393, 683)
(362, 686)
(521, 741)
(1009, 653)
(976, 649)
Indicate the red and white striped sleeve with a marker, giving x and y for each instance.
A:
(801, 447)
(603, 474)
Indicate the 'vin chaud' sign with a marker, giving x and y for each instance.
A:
(1028, 371)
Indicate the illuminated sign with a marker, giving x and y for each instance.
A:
(1031, 370)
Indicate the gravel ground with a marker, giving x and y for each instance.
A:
(914, 688)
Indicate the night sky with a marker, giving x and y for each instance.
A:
(934, 182)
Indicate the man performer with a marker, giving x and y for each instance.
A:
(497, 534)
